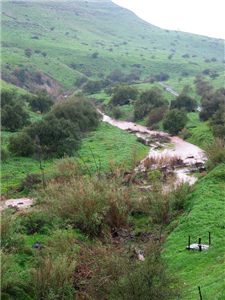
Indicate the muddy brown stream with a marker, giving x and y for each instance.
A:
(190, 154)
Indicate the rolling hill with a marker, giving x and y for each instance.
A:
(66, 40)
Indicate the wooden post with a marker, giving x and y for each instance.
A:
(199, 244)
(200, 294)
(189, 242)
(209, 239)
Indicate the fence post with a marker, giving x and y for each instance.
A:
(199, 244)
(189, 242)
(209, 239)
(200, 294)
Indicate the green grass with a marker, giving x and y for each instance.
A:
(111, 145)
(106, 145)
(204, 213)
(71, 33)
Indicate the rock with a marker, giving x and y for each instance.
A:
(37, 245)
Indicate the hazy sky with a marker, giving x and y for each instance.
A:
(205, 17)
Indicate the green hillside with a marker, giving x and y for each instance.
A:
(62, 36)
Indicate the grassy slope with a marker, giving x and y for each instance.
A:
(81, 29)
(107, 143)
(204, 213)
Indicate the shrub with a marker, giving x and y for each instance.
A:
(122, 94)
(186, 55)
(156, 115)
(95, 55)
(79, 111)
(4, 154)
(92, 87)
(21, 144)
(89, 206)
(13, 285)
(11, 241)
(147, 101)
(128, 279)
(215, 153)
(184, 101)
(42, 101)
(14, 117)
(80, 81)
(57, 135)
(175, 120)
(28, 52)
(53, 278)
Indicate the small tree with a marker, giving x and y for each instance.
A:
(21, 144)
(28, 52)
(175, 121)
(95, 55)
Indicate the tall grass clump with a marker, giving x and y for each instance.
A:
(13, 283)
(52, 278)
(91, 204)
(125, 278)
(11, 241)
(215, 153)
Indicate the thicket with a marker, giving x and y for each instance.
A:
(41, 101)
(13, 114)
(175, 120)
(148, 100)
(59, 132)
(122, 94)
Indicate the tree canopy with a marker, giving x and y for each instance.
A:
(175, 120)
(148, 100)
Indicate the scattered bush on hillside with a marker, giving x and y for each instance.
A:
(214, 75)
(95, 55)
(78, 110)
(92, 87)
(186, 55)
(156, 115)
(4, 154)
(162, 76)
(28, 52)
(57, 135)
(122, 94)
(206, 71)
(42, 101)
(148, 100)
(213, 59)
(185, 73)
(175, 120)
(211, 103)
(202, 86)
(22, 144)
(184, 101)
(14, 117)
(80, 81)
(8, 97)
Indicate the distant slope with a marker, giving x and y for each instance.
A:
(62, 36)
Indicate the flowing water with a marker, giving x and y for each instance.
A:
(190, 154)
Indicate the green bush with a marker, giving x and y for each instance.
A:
(22, 144)
(4, 154)
(88, 205)
(215, 153)
(41, 101)
(52, 278)
(175, 120)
